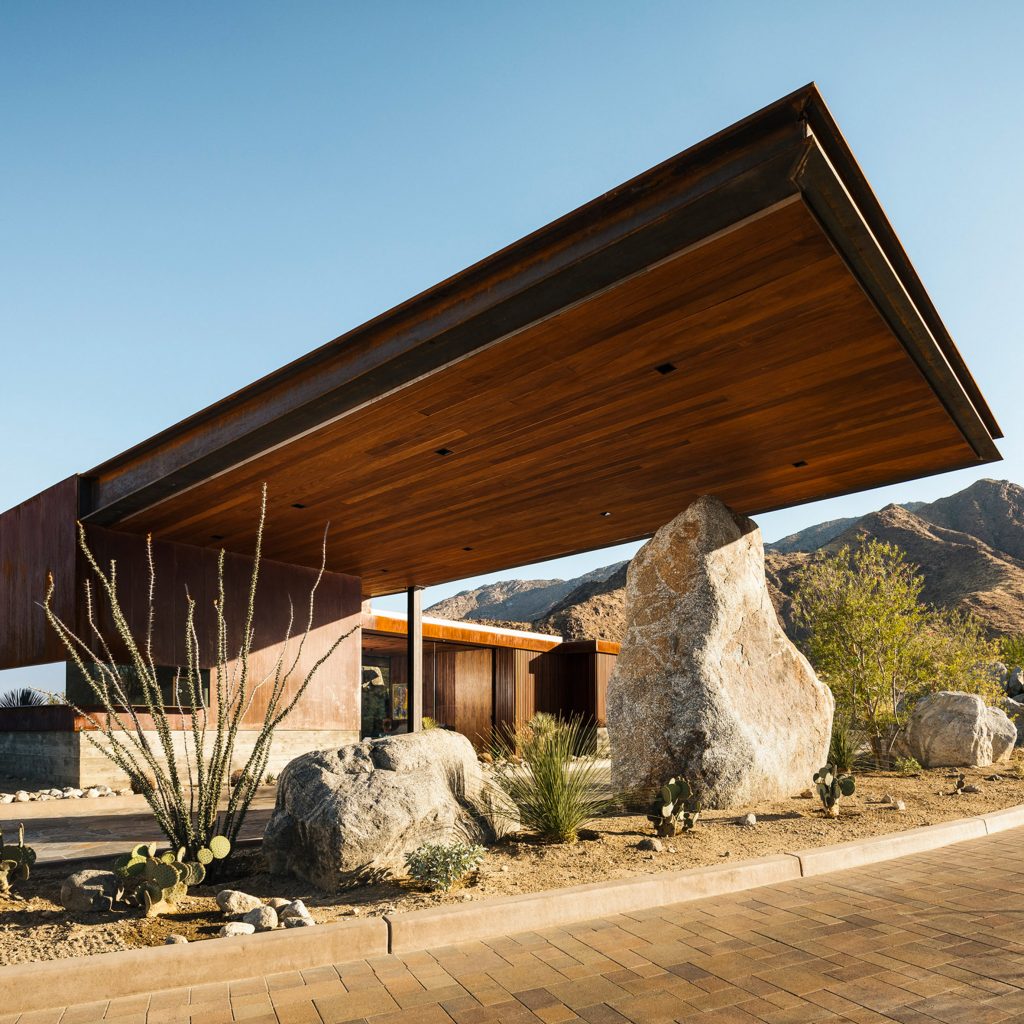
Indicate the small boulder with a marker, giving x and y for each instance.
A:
(951, 729)
(747, 821)
(22, 797)
(294, 909)
(175, 940)
(299, 922)
(89, 890)
(92, 794)
(234, 928)
(652, 845)
(233, 903)
(278, 902)
(263, 919)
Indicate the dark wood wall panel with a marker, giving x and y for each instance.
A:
(37, 537)
(332, 699)
(504, 689)
(442, 662)
(604, 665)
(474, 689)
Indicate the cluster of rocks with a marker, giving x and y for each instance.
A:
(247, 914)
(24, 796)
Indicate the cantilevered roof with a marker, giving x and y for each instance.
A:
(739, 320)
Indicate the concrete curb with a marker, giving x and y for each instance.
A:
(54, 983)
(445, 926)
(1008, 817)
(820, 860)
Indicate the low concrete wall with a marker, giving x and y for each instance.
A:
(71, 759)
(36, 986)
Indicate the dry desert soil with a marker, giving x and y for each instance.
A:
(33, 925)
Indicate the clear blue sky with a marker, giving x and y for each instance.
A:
(193, 194)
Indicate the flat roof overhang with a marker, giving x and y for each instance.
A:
(525, 408)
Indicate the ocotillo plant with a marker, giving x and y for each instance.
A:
(185, 784)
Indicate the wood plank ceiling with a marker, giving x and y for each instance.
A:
(740, 320)
(787, 386)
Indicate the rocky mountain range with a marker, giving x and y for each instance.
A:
(969, 548)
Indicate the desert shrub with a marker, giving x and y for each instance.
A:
(543, 724)
(428, 723)
(439, 866)
(1011, 650)
(188, 781)
(555, 789)
(906, 765)
(844, 746)
(141, 783)
(879, 647)
(270, 778)
(25, 697)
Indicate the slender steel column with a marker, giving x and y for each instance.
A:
(414, 639)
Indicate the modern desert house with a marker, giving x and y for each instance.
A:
(739, 320)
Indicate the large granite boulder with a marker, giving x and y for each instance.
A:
(950, 729)
(351, 815)
(707, 684)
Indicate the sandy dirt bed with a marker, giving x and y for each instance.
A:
(33, 925)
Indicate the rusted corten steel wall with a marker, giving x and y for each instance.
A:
(37, 538)
(331, 701)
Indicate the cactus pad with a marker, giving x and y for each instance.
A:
(220, 847)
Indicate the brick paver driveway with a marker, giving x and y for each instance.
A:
(932, 937)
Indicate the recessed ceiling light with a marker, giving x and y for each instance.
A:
(467, 549)
(298, 504)
(606, 514)
(383, 570)
(443, 451)
(216, 536)
(666, 368)
(800, 464)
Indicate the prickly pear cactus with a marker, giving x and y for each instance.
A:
(15, 861)
(155, 882)
(832, 787)
(674, 809)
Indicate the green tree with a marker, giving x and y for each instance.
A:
(1011, 650)
(878, 646)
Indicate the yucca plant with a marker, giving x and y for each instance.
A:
(25, 697)
(844, 749)
(185, 785)
(556, 789)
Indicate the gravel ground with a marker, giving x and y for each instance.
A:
(33, 925)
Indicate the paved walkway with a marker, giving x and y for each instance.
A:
(932, 937)
(64, 830)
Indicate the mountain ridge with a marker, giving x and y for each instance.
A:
(969, 547)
